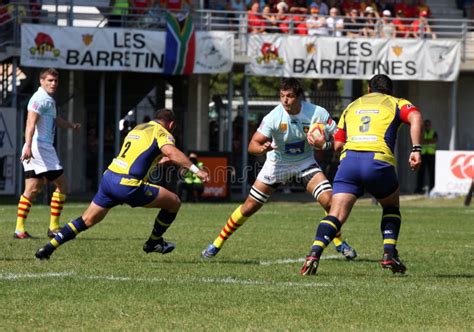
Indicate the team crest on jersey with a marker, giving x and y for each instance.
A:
(283, 126)
(305, 129)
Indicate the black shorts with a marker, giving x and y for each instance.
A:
(50, 175)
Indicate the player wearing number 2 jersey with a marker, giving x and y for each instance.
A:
(367, 133)
(125, 181)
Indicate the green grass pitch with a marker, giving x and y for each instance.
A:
(104, 281)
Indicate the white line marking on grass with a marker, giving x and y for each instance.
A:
(293, 260)
(208, 280)
(15, 276)
(232, 280)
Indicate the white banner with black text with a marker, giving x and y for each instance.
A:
(328, 57)
(115, 49)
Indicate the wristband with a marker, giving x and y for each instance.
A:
(416, 148)
(194, 169)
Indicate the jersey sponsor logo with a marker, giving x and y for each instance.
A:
(120, 163)
(294, 148)
(367, 112)
(283, 126)
(363, 138)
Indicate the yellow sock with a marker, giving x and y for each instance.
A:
(57, 202)
(236, 220)
(24, 206)
(337, 241)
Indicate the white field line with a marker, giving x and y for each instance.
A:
(293, 260)
(206, 280)
(16, 276)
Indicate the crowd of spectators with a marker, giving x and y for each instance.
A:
(352, 18)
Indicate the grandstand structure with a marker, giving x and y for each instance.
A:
(100, 94)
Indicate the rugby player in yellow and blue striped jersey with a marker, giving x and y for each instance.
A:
(366, 135)
(125, 181)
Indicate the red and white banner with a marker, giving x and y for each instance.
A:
(114, 49)
(454, 172)
(361, 58)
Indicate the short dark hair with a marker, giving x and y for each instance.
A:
(290, 83)
(381, 83)
(164, 114)
(48, 71)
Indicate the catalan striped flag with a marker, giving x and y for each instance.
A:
(180, 45)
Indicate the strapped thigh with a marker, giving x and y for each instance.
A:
(258, 195)
(322, 187)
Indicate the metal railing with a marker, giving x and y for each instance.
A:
(211, 20)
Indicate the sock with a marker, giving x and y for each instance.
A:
(390, 227)
(162, 221)
(67, 233)
(236, 220)
(57, 202)
(327, 230)
(24, 206)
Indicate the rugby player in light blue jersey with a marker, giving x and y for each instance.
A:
(282, 136)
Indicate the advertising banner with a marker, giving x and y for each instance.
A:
(115, 49)
(328, 57)
(8, 159)
(454, 172)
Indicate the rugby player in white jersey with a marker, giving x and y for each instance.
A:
(39, 157)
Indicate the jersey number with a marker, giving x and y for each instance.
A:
(364, 124)
(127, 147)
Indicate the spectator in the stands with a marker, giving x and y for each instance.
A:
(420, 28)
(323, 7)
(316, 23)
(401, 25)
(363, 4)
(369, 29)
(256, 24)
(269, 19)
(354, 24)
(386, 29)
(282, 17)
(298, 7)
(335, 23)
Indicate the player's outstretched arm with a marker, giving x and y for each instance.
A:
(180, 159)
(260, 144)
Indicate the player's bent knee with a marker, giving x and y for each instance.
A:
(322, 187)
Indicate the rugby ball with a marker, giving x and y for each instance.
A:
(316, 130)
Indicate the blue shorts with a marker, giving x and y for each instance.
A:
(359, 171)
(118, 189)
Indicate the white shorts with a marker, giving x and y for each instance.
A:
(273, 173)
(44, 158)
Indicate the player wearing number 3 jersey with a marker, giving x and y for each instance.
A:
(366, 135)
(125, 181)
